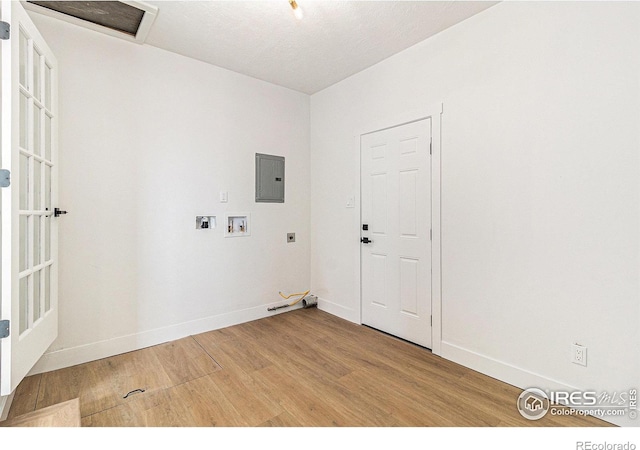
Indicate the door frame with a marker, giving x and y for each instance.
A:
(433, 112)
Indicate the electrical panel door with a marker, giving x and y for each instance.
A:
(269, 178)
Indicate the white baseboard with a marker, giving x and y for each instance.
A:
(515, 376)
(68, 357)
(338, 310)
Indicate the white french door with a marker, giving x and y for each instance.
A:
(395, 233)
(29, 228)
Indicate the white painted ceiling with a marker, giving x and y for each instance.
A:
(334, 39)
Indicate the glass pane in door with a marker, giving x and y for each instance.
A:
(36, 296)
(47, 238)
(24, 56)
(36, 240)
(37, 185)
(23, 263)
(47, 187)
(23, 318)
(47, 86)
(24, 121)
(24, 182)
(37, 112)
(36, 74)
(47, 137)
(47, 288)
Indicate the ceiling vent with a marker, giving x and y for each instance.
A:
(129, 20)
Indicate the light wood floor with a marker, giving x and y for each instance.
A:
(65, 414)
(301, 368)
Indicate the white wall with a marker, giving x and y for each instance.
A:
(540, 187)
(148, 139)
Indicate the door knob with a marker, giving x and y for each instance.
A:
(58, 212)
(366, 240)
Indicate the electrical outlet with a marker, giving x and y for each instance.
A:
(579, 354)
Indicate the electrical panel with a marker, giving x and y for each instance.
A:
(269, 178)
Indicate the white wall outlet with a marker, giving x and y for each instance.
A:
(579, 354)
(224, 196)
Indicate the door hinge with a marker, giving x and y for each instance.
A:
(5, 31)
(431, 235)
(4, 329)
(430, 146)
(431, 320)
(5, 178)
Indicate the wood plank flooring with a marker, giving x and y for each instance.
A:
(65, 414)
(304, 368)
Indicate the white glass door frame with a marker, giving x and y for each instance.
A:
(29, 230)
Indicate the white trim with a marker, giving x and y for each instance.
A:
(436, 222)
(68, 357)
(5, 405)
(150, 13)
(352, 315)
(513, 375)
(434, 112)
(357, 226)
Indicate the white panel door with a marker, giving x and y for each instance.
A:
(29, 229)
(396, 226)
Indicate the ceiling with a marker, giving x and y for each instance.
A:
(263, 39)
(333, 40)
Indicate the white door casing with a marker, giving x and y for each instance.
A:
(396, 208)
(29, 229)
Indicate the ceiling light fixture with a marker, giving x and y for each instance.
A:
(297, 11)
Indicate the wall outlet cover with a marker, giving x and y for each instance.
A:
(579, 354)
